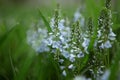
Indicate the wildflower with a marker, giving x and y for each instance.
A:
(81, 54)
(106, 75)
(78, 17)
(62, 67)
(64, 73)
(65, 54)
(72, 57)
(36, 40)
(85, 43)
(81, 78)
(111, 35)
(87, 35)
(107, 44)
(105, 34)
(71, 66)
(61, 60)
(99, 33)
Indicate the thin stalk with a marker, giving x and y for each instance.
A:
(11, 62)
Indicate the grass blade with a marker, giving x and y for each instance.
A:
(3, 38)
(45, 21)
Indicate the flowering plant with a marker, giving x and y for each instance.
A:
(69, 42)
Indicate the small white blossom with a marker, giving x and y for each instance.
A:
(80, 55)
(101, 46)
(111, 35)
(81, 78)
(107, 44)
(36, 40)
(61, 25)
(99, 34)
(52, 22)
(72, 57)
(61, 61)
(56, 44)
(86, 42)
(78, 16)
(65, 54)
(71, 66)
(106, 75)
(62, 67)
(64, 73)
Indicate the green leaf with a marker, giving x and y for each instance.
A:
(25, 67)
(3, 38)
(45, 21)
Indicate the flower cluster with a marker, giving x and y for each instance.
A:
(105, 34)
(69, 43)
(36, 38)
(59, 37)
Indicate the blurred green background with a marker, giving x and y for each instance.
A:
(17, 59)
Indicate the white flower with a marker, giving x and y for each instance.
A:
(100, 71)
(107, 44)
(70, 66)
(80, 78)
(111, 35)
(72, 57)
(49, 41)
(71, 50)
(61, 61)
(52, 22)
(64, 73)
(101, 46)
(62, 38)
(62, 67)
(86, 42)
(61, 24)
(42, 47)
(78, 16)
(106, 75)
(66, 46)
(56, 44)
(65, 54)
(80, 55)
(37, 41)
(99, 33)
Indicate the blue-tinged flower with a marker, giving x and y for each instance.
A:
(99, 33)
(111, 35)
(72, 57)
(65, 54)
(106, 75)
(52, 24)
(107, 44)
(42, 47)
(64, 73)
(62, 67)
(81, 78)
(85, 44)
(78, 17)
(80, 55)
(61, 24)
(37, 40)
(71, 66)
(61, 60)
